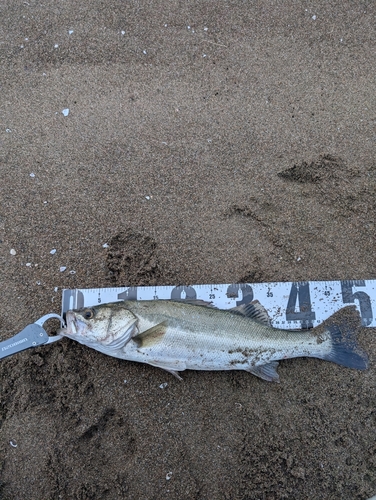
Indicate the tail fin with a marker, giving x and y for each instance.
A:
(345, 350)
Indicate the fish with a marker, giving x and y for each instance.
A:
(194, 335)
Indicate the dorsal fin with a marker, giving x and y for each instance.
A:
(196, 302)
(253, 310)
(152, 336)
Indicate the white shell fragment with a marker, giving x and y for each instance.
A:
(53, 251)
(28, 264)
(32, 175)
(63, 268)
(13, 443)
(106, 245)
(168, 476)
(65, 111)
(70, 31)
(164, 385)
(56, 289)
(72, 272)
(12, 251)
(314, 17)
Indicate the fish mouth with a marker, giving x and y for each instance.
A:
(71, 329)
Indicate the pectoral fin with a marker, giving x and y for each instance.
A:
(172, 367)
(151, 337)
(266, 372)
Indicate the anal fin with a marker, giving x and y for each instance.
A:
(266, 372)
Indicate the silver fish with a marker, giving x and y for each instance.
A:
(176, 336)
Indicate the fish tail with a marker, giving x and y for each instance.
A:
(345, 351)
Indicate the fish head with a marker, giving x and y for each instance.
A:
(108, 325)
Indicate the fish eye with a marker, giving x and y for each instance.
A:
(88, 313)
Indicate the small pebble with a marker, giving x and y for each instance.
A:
(123, 32)
(53, 251)
(8, 130)
(56, 289)
(65, 112)
(56, 45)
(62, 269)
(106, 245)
(147, 197)
(164, 385)
(70, 32)
(206, 29)
(144, 51)
(314, 17)
(125, 381)
(12, 251)
(32, 175)
(39, 283)
(72, 272)
(168, 476)
(28, 264)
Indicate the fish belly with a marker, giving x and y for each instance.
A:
(204, 351)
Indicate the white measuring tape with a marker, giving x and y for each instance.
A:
(290, 305)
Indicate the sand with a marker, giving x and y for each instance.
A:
(205, 142)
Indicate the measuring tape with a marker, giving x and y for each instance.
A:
(290, 305)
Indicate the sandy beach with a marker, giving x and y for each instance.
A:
(203, 142)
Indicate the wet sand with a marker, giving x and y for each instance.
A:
(216, 142)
